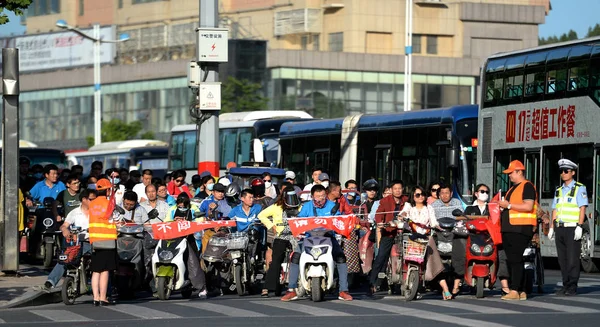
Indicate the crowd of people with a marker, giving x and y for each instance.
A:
(88, 203)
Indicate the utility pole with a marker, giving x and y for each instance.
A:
(203, 78)
(9, 220)
(408, 55)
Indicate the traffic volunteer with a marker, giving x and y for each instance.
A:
(568, 215)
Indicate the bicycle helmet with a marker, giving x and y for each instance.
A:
(371, 184)
(258, 187)
(291, 198)
(233, 190)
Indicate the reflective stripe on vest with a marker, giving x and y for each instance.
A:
(567, 211)
(520, 217)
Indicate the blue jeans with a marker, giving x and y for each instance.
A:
(59, 270)
(342, 268)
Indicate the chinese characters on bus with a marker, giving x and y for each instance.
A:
(540, 124)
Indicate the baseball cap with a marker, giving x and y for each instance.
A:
(290, 175)
(219, 188)
(103, 184)
(514, 165)
(323, 177)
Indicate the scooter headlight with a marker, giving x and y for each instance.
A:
(48, 222)
(488, 249)
(166, 255)
(445, 247)
(475, 249)
(316, 252)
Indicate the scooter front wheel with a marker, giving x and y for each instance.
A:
(315, 289)
(479, 288)
(69, 291)
(48, 254)
(412, 285)
(163, 288)
(237, 279)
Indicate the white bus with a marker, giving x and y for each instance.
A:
(131, 154)
(243, 137)
(540, 105)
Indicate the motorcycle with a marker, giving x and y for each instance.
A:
(317, 265)
(77, 266)
(51, 236)
(130, 269)
(246, 267)
(444, 236)
(169, 263)
(414, 248)
(482, 254)
(217, 261)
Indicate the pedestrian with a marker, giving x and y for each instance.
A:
(568, 215)
(290, 176)
(103, 237)
(517, 222)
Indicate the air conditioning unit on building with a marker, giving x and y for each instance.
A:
(297, 21)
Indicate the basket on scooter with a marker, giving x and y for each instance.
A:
(414, 251)
(72, 255)
(237, 241)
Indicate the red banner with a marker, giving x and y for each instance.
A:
(493, 224)
(175, 229)
(342, 225)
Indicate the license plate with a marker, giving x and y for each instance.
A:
(381, 275)
(259, 276)
(232, 287)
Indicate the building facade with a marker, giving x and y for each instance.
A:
(329, 57)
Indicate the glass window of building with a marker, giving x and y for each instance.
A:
(43, 7)
(316, 43)
(304, 42)
(81, 9)
(432, 44)
(416, 43)
(336, 42)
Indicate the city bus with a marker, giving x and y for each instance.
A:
(243, 137)
(37, 155)
(131, 154)
(416, 146)
(540, 105)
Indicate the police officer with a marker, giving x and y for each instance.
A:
(568, 214)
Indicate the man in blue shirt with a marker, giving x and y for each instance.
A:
(246, 212)
(215, 206)
(49, 187)
(319, 206)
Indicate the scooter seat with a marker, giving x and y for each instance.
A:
(447, 222)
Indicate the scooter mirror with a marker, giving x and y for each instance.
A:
(457, 212)
(120, 210)
(363, 198)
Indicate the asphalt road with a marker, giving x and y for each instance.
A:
(230, 310)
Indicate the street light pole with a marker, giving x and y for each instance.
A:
(96, 38)
(97, 90)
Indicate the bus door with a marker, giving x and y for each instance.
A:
(321, 159)
(596, 198)
(382, 164)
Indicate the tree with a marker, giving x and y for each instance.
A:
(595, 31)
(16, 6)
(241, 95)
(571, 35)
(118, 130)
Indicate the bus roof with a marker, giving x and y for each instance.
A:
(538, 55)
(423, 117)
(311, 127)
(126, 145)
(262, 114)
(223, 124)
(23, 144)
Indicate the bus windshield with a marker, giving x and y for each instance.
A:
(466, 132)
(236, 145)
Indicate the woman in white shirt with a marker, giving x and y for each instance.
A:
(418, 211)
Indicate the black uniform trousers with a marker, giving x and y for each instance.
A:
(514, 246)
(569, 252)
(381, 261)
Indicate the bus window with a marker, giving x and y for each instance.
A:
(581, 155)
(493, 88)
(236, 145)
(556, 79)
(579, 76)
(271, 149)
(535, 83)
(513, 84)
(183, 151)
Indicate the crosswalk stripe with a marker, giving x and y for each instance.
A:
(468, 307)
(306, 309)
(422, 314)
(60, 315)
(142, 312)
(578, 299)
(548, 306)
(2, 321)
(222, 309)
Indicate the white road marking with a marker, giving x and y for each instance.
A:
(548, 306)
(468, 307)
(577, 299)
(222, 309)
(142, 312)
(60, 315)
(422, 314)
(306, 309)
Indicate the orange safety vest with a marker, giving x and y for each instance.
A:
(100, 229)
(520, 217)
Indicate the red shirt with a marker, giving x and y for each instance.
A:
(176, 190)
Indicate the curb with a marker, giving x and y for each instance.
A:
(34, 298)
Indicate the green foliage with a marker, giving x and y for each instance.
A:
(593, 31)
(241, 95)
(118, 130)
(16, 6)
(571, 35)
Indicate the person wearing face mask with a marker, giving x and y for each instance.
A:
(324, 180)
(270, 189)
(274, 218)
(91, 183)
(320, 206)
(208, 182)
(197, 185)
(37, 172)
(353, 197)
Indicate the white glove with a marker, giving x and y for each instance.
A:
(551, 234)
(578, 233)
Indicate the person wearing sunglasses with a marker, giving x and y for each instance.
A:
(568, 215)
(433, 192)
(270, 189)
(419, 212)
(178, 185)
